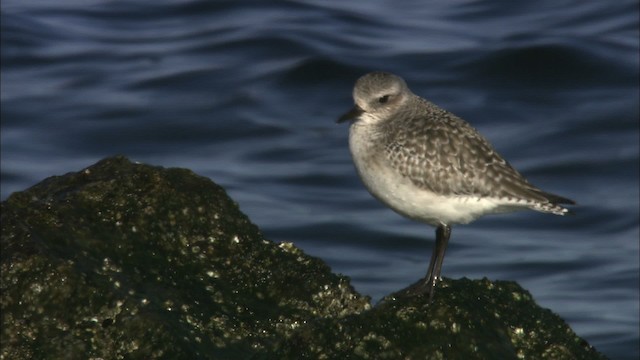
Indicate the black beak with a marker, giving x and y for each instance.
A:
(352, 114)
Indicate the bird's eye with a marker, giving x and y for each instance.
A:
(383, 99)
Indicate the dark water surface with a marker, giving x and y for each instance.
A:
(247, 93)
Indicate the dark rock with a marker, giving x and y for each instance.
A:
(467, 319)
(124, 260)
(128, 260)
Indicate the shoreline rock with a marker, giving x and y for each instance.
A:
(124, 260)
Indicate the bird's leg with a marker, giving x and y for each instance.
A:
(428, 283)
(443, 232)
(432, 264)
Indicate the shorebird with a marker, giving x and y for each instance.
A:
(431, 166)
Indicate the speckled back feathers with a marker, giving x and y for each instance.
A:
(442, 153)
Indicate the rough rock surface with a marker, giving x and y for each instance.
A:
(125, 260)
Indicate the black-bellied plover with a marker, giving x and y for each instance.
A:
(431, 166)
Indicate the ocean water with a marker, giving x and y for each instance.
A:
(247, 93)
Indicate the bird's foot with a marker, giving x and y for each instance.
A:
(423, 288)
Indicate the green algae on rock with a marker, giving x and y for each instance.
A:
(125, 260)
(468, 319)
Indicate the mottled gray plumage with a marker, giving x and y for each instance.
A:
(430, 165)
(440, 152)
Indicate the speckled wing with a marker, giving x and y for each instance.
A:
(442, 153)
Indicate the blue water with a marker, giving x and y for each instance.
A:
(247, 93)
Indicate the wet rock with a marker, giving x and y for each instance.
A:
(124, 260)
(128, 260)
(467, 319)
